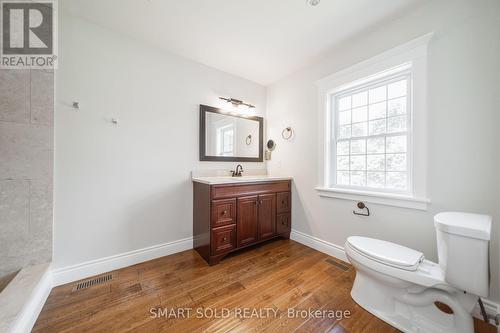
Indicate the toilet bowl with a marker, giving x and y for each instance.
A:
(398, 285)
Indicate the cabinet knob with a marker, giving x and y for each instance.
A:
(224, 239)
(224, 212)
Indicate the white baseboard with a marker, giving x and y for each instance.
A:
(492, 308)
(86, 269)
(319, 244)
(26, 318)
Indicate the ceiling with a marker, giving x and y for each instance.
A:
(260, 40)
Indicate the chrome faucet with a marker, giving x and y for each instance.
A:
(238, 171)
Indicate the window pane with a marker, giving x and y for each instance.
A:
(377, 127)
(396, 180)
(359, 114)
(397, 89)
(358, 146)
(345, 132)
(344, 103)
(377, 94)
(396, 162)
(343, 148)
(227, 141)
(375, 162)
(345, 117)
(396, 124)
(358, 162)
(358, 178)
(397, 107)
(396, 144)
(370, 133)
(359, 129)
(375, 179)
(343, 177)
(375, 145)
(342, 162)
(377, 111)
(360, 99)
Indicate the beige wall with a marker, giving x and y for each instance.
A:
(26, 168)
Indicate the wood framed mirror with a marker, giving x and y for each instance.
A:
(227, 137)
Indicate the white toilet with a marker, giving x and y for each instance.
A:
(399, 286)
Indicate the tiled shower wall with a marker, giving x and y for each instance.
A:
(26, 167)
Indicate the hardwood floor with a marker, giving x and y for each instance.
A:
(274, 276)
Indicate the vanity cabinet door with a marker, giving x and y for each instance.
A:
(223, 239)
(223, 212)
(247, 221)
(283, 202)
(283, 224)
(267, 216)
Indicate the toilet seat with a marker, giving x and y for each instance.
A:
(426, 273)
(387, 253)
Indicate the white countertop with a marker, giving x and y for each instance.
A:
(214, 180)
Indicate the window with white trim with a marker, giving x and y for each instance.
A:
(371, 134)
(373, 129)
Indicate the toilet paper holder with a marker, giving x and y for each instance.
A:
(361, 205)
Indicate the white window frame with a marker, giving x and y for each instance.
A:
(396, 74)
(221, 131)
(411, 56)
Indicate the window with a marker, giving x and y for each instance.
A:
(371, 135)
(226, 135)
(373, 129)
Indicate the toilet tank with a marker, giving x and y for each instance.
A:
(463, 250)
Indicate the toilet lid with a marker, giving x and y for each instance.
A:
(464, 224)
(386, 252)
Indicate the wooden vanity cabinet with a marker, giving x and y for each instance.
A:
(228, 217)
(267, 216)
(247, 227)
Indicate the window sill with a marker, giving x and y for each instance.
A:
(388, 199)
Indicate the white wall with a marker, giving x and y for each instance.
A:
(463, 170)
(124, 187)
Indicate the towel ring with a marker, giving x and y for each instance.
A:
(248, 140)
(287, 133)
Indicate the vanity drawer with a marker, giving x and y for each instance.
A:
(232, 190)
(283, 225)
(283, 201)
(223, 212)
(223, 239)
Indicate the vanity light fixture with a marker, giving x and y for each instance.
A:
(236, 102)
